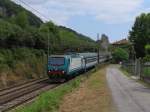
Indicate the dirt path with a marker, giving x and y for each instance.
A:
(128, 95)
(92, 96)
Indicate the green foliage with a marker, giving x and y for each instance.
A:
(147, 48)
(120, 55)
(22, 19)
(50, 30)
(10, 34)
(18, 29)
(23, 61)
(61, 39)
(140, 34)
(4, 68)
(146, 72)
(146, 58)
(72, 41)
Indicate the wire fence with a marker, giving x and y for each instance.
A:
(138, 68)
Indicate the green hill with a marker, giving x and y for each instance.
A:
(9, 10)
(24, 29)
(24, 43)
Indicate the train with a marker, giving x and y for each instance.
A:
(71, 64)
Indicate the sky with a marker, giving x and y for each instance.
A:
(114, 18)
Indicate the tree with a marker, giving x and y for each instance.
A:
(120, 55)
(22, 19)
(140, 34)
(50, 30)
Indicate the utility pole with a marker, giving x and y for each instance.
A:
(48, 48)
(98, 52)
(48, 43)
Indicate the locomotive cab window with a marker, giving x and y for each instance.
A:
(56, 61)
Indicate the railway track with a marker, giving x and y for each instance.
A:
(17, 85)
(11, 98)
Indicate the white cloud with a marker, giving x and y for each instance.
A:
(108, 11)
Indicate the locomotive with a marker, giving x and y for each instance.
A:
(71, 64)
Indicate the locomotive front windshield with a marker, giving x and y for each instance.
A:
(56, 61)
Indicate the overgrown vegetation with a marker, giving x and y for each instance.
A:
(147, 48)
(24, 40)
(21, 64)
(120, 55)
(147, 57)
(146, 71)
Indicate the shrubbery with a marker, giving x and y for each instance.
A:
(147, 57)
(22, 63)
(147, 49)
(120, 55)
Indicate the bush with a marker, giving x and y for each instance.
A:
(147, 72)
(147, 48)
(146, 58)
(120, 55)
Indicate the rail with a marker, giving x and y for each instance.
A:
(21, 94)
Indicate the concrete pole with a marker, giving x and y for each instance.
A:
(98, 52)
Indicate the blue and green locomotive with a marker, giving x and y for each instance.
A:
(69, 65)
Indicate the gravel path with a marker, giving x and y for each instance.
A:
(128, 95)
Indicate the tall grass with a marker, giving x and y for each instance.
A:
(19, 64)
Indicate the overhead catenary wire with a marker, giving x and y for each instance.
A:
(34, 10)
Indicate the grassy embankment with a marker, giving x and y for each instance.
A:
(98, 84)
(92, 96)
(51, 101)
